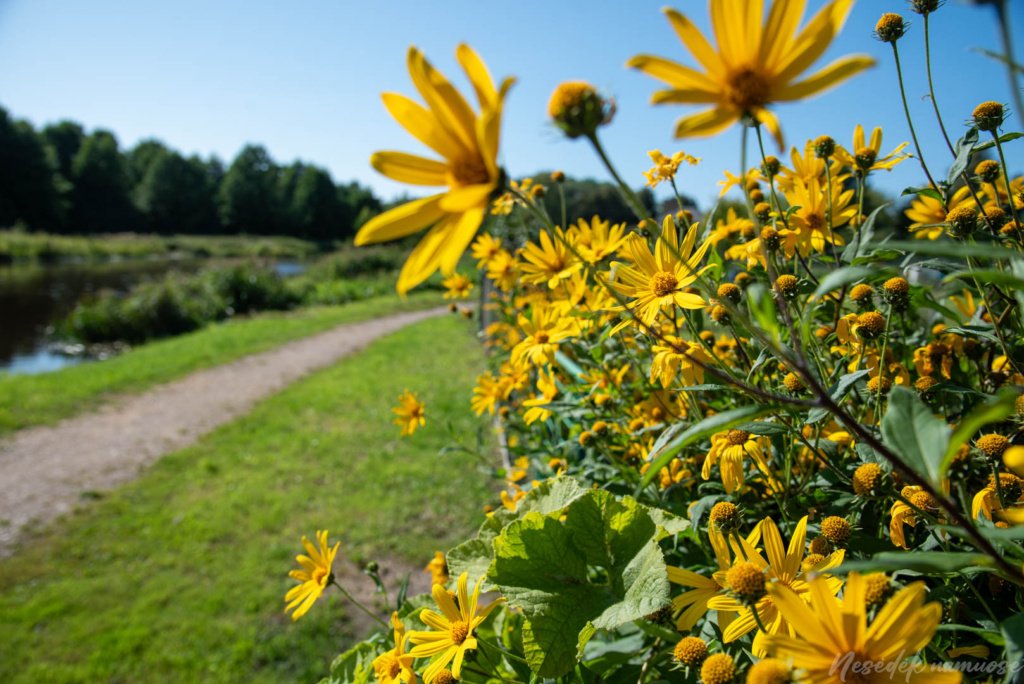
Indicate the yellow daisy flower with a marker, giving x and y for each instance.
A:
(468, 143)
(784, 566)
(452, 630)
(537, 407)
(864, 155)
(732, 448)
(314, 576)
(665, 168)
(755, 65)
(438, 569)
(395, 665)
(929, 216)
(831, 641)
(548, 260)
(485, 248)
(677, 357)
(410, 412)
(596, 240)
(543, 331)
(659, 279)
(457, 286)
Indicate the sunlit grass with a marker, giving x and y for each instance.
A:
(180, 576)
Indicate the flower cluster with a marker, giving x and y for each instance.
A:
(773, 442)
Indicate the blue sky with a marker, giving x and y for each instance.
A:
(303, 78)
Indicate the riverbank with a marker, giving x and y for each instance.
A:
(27, 400)
(19, 246)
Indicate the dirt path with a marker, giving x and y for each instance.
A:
(45, 470)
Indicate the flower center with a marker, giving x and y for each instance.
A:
(747, 88)
(664, 283)
(737, 437)
(467, 171)
(321, 576)
(459, 632)
(815, 221)
(542, 337)
(394, 666)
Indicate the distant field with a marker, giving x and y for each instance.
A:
(27, 400)
(180, 576)
(23, 246)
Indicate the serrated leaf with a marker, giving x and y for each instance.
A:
(911, 430)
(354, 666)
(547, 569)
(662, 455)
(472, 557)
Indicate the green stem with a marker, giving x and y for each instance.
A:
(931, 88)
(631, 199)
(359, 605)
(910, 122)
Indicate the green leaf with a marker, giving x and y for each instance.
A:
(911, 430)
(991, 411)
(1013, 632)
(668, 524)
(842, 277)
(354, 666)
(987, 275)
(472, 557)
(551, 496)
(762, 309)
(954, 250)
(600, 569)
(964, 149)
(862, 237)
(663, 453)
(1004, 138)
(838, 392)
(927, 191)
(761, 428)
(927, 562)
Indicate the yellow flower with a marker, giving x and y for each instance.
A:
(468, 143)
(832, 641)
(548, 390)
(457, 286)
(314, 576)
(986, 501)
(731, 448)
(550, 261)
(864, 155)
(665, 168)
(452, 629)
(395, 665)
(929, 216)
(811, 220)
(488, 392)
(597, 239)
(485, 248)
(544, 330)
(693, 604)
(503, 271)
(786, 568)
(410, 413)
(438, 569)
(656, 280)
(675, 357)
(755, 64)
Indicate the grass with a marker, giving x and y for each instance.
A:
(17, 245)
(180, 576)
(27, 400)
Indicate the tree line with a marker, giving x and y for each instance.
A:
(63, 179)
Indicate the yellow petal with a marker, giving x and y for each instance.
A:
(705, 123)
(401, 221)
(814, 39)
(676, 75)
(478, 75)
(684, 96)
(409, 168)
(422, 125)
(830, 76)
(783, 19)
(694, 41)
(468, 197)
(446, 103)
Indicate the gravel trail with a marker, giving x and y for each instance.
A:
(44, 471)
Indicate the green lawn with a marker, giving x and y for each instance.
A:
(36, 399)
(180, 576)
